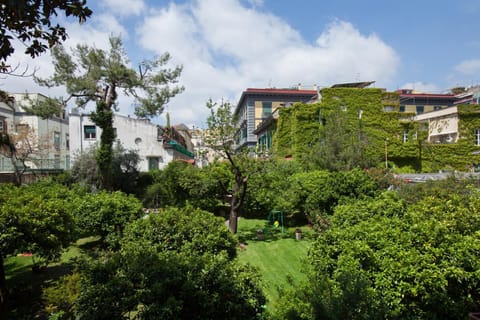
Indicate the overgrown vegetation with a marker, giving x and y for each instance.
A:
(374, 254)
(350, 128)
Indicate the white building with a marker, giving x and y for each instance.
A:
(44, 142)
(155, 145)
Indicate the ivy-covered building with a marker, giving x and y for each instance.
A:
(255, 105)
(368, 127)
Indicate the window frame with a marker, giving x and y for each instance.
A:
(89, 135)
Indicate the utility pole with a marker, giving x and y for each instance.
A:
(386, 153)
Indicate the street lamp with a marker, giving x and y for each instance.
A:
(386, 153)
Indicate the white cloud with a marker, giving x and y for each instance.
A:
(124, 7)
(422, 87)
(226, 46)
(468, 67)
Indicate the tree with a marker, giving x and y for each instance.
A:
(106, 214)
(222, 129)
(341, 145)
(96, 75)
(177, 264)
(123, 170)
(35, 218)
(180, 183)
(31, 23)
(385, 259)
(24, 148)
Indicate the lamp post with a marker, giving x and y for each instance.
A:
(386, 153)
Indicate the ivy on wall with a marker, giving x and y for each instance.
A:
(372, 118)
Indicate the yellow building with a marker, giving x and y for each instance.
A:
(256, 105)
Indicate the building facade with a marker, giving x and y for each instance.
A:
(42, 144)
(156, 146)
(418, 102)
(256, 105)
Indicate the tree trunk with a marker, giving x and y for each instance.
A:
(233, 217)
(3, 285)
(239, 190)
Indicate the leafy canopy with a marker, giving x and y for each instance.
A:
(31, 22)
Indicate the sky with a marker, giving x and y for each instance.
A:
(226, 46)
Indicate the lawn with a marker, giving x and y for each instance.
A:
(26, 286)
(279, 257)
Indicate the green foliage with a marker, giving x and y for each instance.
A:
(382, 259)
(169, 285)
(103, 118)
(222, 130)
(37, 218)
(31, 23)
(185, 229)
(346, 130)
(350, 128)
(314, 194)
(267, 188)
(167, 189)
(176, 264)
(106, 214)
(60, 296)
(413, 193)
(123, 172)
(180, 183)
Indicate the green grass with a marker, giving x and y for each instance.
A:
(25, 286)
(279, 257)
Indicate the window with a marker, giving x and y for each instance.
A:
(402, 108)
(67, 162)
(419, 109)
(477, 137)
(3, 125)
(57, 161)
(405, 135)
(153, 163)
(387, 109)
(67, 141)
(56, 140)
(89, 132)
(266, 109)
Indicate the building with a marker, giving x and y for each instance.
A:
(42, 144)
(265, 130)
(256, 105)
(470, 95)
(156, 146)
(442, 125)
(418, 102)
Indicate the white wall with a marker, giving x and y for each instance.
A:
(134, 134)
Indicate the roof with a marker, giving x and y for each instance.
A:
(275, 92)
(362, 84)
(428, 95)
(280, 91)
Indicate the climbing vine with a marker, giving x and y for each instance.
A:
(371, 123)
(103, 118)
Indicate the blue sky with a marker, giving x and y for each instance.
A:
(226, 46)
